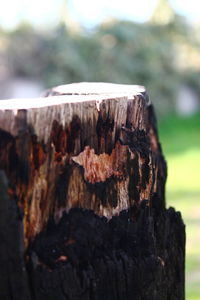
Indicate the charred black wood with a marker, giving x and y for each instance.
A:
(85, 256)
(13, 276)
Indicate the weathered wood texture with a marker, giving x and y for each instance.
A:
(84, 177)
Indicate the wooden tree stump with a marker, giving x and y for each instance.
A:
(82, 198)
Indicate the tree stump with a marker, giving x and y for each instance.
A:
(82, 198)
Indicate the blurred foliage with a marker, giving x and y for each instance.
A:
(116, 51)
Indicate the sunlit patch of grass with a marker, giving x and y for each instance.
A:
(192, 264)
(184, 170)
(185, 200)
(180, 134)
(192, 294)
(181, 144)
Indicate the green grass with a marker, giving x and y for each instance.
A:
(180, 138)
(180, 134)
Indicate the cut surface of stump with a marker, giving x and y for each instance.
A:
(85, 168)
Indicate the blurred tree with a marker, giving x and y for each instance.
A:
(151, 54)
(163, 13)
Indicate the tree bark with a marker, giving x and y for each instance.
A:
(82, 198)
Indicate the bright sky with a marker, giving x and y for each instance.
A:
(87, 12)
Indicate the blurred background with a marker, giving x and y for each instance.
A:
(155, 43)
